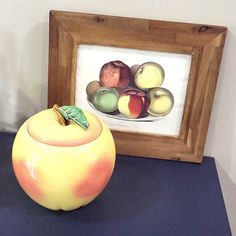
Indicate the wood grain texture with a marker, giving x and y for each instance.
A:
(204, 42)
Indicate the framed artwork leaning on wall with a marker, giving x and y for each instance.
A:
(152, 82)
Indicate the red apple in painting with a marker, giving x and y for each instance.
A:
(115, 74)
(63, 166)
(133, 103)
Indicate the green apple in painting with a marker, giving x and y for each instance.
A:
(161, 102)
(106, 99)
(63, 166)
(103, 99)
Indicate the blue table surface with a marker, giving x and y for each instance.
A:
(144, 197)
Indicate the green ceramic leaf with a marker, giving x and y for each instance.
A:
(76, 114)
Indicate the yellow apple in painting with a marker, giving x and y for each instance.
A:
(63, 166)
(149, 75)
(161, 101)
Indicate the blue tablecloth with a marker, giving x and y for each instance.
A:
(144, 197)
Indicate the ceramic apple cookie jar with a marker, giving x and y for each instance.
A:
(63, 157)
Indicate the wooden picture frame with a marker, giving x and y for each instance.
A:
(203, 42)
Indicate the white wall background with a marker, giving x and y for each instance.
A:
(24, 52)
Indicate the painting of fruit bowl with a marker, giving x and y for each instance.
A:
(131, 89)
(130, 93)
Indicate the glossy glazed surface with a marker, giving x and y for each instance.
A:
(60, 175)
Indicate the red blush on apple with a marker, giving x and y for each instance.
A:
(96, 179)
(135, 106)
(28, 180)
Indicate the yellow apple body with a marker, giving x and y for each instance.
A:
(63, 167)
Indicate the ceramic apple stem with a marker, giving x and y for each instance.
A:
(61, 118)
(75, 114)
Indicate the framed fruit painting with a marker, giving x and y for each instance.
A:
(133, 89)
(152, 82)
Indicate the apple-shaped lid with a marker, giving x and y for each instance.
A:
(46, 128)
